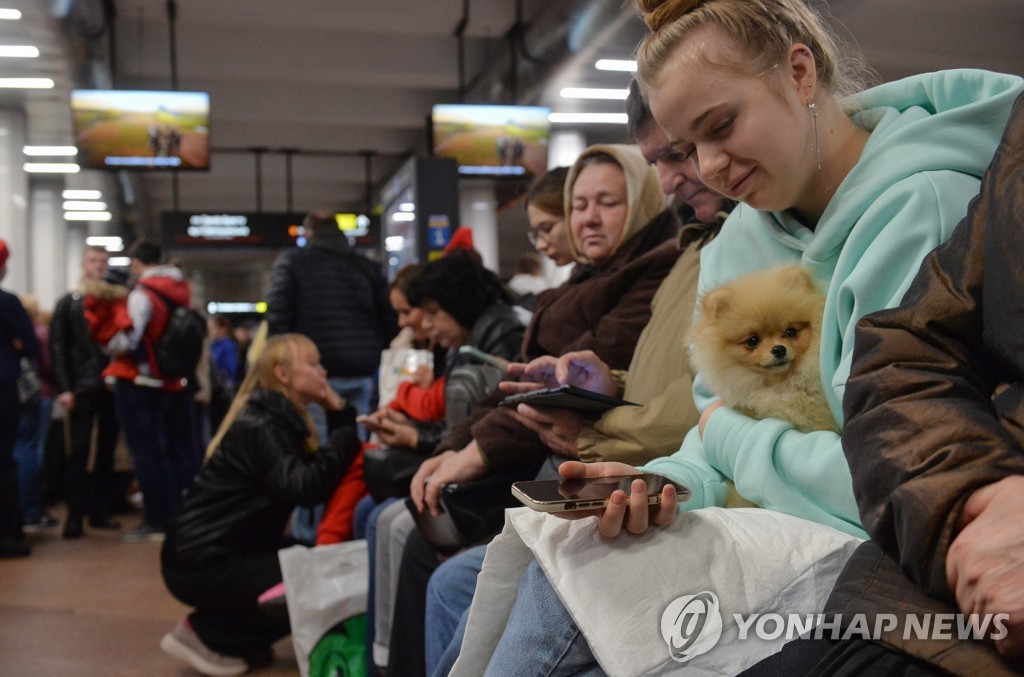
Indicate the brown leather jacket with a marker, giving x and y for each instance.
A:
(935, 410)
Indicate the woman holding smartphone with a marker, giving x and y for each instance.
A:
(857, 189)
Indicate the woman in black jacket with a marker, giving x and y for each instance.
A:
(221, 552)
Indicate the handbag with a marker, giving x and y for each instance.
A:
(472, 512)
(387, 471)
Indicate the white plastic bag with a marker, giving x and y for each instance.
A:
(755, 561)
(324, 586)
(397, 365)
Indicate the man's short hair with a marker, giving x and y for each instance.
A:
(146, 251)
(638, 114)
(316, 221)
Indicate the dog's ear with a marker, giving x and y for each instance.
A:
(798, 278)
(716, 301)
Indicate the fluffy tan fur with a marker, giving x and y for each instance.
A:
(755, 341)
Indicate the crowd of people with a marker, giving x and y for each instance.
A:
(756, 145)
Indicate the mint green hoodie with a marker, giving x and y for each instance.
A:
(932, 137)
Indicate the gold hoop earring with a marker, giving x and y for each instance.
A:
(812, 108)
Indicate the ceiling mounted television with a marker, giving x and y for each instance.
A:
(128, 129)
(492, 140)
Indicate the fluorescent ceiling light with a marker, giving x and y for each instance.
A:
(593, 93)
(10, 14)
(26, 83)
(406, 207)
(87, 216)
(119, 261)
(51, 167)
(593, 118)
(627, 65)
(103, 240)
(23, 51)
(403, 216)
(50, 151)
(71, 194)
(85, 206)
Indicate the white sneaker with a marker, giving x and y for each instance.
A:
(184, 644)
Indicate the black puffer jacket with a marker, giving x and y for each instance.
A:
(248, 488)
(335, 297)
(77, 362)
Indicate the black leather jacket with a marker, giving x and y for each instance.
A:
(259, 473)
(77, 361)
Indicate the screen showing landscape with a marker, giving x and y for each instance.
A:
(492, 140)
(125, 129)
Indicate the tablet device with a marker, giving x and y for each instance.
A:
(567, 397)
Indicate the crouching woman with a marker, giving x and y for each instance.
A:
(221, 551)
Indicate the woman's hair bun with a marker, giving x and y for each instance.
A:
(657, 13)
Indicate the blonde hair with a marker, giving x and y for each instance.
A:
(279, 350)
(763, 30)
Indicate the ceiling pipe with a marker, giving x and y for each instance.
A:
(460, 35)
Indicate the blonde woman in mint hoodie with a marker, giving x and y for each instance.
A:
(855, 189)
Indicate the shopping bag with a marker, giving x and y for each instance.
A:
(326, 587)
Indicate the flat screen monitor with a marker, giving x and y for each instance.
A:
(128, 129)
(492, 140)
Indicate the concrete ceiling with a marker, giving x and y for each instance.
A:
(333, 78)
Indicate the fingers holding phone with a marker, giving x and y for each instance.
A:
(583, 368)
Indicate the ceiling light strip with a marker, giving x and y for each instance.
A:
(626, 65)
(588, 118)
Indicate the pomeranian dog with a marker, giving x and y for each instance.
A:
(755, 340)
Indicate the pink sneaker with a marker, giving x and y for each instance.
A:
(184, 644)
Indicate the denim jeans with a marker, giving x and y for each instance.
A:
(358, 393)
(158, 429)
(541, 637)
(28, 455)
(449, 594)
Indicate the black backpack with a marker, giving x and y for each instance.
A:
(180, 346)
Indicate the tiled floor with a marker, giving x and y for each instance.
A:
(93, 607)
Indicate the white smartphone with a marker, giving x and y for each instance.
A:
(589, 493)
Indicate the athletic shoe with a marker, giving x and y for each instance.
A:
(184, 644)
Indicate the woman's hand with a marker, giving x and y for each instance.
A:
(423, 376)
(630, 512)
(558, 429)
(451, 466)
(331, 400)
(584, 369)
(539, 373)
(395, 434)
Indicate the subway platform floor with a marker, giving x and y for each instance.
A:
(94, 607)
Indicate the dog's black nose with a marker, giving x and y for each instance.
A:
(778, 352)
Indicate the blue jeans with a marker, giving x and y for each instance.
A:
(358, 393)
(449, 594)
(158, 429)
(27, 453)
(541, 637)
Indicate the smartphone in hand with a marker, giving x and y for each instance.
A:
(589, 493)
